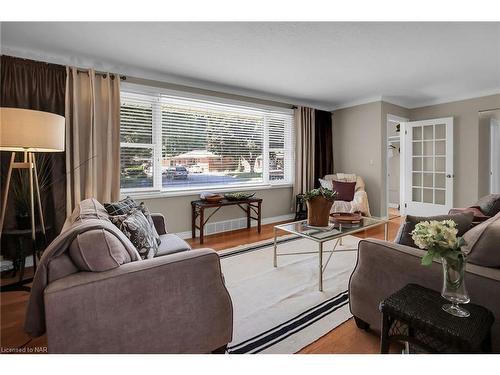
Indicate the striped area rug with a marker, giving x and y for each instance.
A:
(280, 310)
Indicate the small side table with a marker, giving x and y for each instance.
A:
(414, 315)
(300, 208)
(20, 240)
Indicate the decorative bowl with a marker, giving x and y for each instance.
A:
(346, 218)
(214, 198)
(238, 196)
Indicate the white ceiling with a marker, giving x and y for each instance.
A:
(326, 65)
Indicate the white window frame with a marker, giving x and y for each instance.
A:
(153, 95)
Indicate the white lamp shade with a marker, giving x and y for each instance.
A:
(29, 130)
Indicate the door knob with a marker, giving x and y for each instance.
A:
(449, 176)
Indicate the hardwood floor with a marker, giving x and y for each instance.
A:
(346, 338)
(393, 213)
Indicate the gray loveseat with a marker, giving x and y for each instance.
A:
(384, 267)
(174, 303)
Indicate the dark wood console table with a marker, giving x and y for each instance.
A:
(251, 206)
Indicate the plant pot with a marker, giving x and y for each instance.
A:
(318, 211)
(23, 221)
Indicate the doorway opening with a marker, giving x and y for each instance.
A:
(393, 163)
(495, 156)
(489, 152)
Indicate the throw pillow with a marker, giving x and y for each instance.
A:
(483, 241)
(463, 220)
(146, 213)
(345, 190)
(125, 206)
(489, 204)
(121, 207)
(478, 215)
(138, 230)
(326, 184)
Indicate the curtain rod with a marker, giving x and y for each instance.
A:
(104, 74)
(124, 78)
(197, 90)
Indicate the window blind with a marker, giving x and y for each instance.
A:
(178, 143)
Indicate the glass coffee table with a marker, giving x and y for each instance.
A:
(322, 235)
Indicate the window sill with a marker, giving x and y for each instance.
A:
(179, 193)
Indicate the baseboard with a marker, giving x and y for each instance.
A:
(234, 224)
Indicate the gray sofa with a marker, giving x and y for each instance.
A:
(384, 267)
(174, 303)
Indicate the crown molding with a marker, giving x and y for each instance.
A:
(372, 99)
(455, 98)
(355, 103)
(419, 104)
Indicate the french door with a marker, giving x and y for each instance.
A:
(427, 167)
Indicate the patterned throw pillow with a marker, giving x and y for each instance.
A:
(138, 230)
(146, 213)
(125, 206)
(326, 184)
(121, 207)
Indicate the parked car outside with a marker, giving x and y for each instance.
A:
(177, 173)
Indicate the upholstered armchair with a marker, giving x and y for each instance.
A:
(360, 200)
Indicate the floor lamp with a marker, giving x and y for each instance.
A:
(28, 131)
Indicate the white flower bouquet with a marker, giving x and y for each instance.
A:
(440, 240)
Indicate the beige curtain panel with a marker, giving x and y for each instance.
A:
(304, 150)
(92, 137)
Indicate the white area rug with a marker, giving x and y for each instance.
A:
(281, 310)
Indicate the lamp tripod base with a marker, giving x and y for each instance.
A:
(28, 163)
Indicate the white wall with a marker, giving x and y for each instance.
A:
(485, 119)
(357, 148)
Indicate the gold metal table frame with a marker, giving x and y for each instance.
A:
(336, 235)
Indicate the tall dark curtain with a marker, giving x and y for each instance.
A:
(323, 146)
(40, 86)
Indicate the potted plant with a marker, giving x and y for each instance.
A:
(21, 190)
(440, 240)
(319, 202)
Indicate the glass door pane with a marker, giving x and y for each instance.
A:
(429, 164)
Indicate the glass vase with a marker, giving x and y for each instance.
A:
(454, 289)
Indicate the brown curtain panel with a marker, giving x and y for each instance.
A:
(304, 150)
(40, 86)
(92, 136)
(323, 142)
